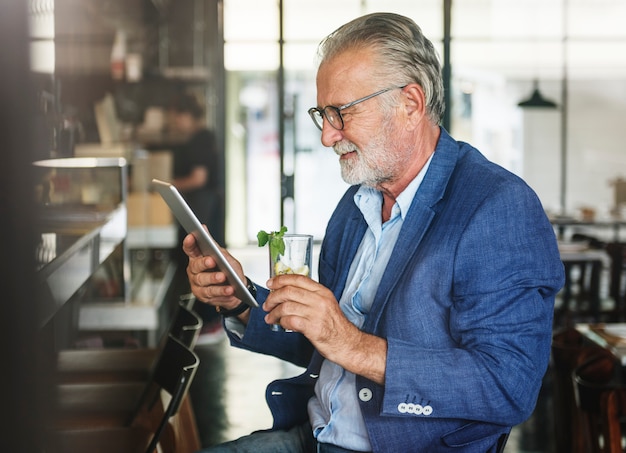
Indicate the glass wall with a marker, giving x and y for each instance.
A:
(252, 59)
(574, 51)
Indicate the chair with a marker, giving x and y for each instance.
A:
(601, 401)
(614, 403)
(593, 241)
(186, 325)
(125, 413)
(173, 373)
(569, 350)
(581, 291)
(617, 253)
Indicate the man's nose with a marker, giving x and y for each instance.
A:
(330, 135)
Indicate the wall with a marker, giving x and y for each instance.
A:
(596, 133)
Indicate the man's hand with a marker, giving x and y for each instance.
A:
(207, 282)
(300, 304)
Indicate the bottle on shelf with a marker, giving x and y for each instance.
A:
(118, 56)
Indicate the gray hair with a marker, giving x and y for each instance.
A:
(405, 55)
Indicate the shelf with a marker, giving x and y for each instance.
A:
(152, 237)
(142, 313)
(73, 257)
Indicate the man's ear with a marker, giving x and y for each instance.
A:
(414, 103)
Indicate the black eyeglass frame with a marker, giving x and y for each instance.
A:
(323, 112)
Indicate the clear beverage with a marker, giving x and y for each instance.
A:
(296, 259)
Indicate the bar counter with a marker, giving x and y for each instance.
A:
(71, 247)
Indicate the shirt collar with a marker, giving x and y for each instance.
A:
(366, 195)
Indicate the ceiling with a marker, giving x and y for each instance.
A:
(519, 39)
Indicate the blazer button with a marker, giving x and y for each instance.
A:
(365, 395)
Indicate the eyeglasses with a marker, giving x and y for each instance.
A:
(333, 114)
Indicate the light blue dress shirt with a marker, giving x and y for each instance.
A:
(334, 411)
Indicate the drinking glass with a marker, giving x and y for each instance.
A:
(296, 259)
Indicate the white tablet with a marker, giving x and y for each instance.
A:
(206, 243)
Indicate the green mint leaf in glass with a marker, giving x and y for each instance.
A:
(277, 247)
(275, 240)
(262, 238)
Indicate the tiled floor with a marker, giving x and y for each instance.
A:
(229, 389)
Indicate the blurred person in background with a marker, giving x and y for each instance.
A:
(196, 167)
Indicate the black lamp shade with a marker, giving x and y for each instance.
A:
(536, 99)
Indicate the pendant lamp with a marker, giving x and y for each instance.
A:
(536, 99)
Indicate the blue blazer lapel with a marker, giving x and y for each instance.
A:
(419, 218)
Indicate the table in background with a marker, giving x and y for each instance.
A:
(564, 222)
(610, 336)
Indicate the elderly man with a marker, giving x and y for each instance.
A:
(430, 327)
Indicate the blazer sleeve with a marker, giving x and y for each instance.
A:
(489, 297)
(257, 336)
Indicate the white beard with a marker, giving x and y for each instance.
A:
(373, 166)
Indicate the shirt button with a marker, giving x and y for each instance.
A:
(365, 395)
(427, 410)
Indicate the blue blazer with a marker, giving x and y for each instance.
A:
(465, 304)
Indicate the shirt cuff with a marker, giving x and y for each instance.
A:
(234, 326)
